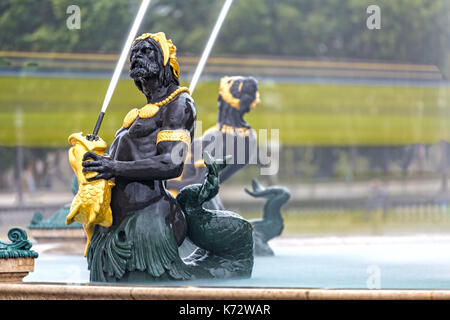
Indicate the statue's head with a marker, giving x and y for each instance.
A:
(237, 96)
(153, 57)
(240, 93)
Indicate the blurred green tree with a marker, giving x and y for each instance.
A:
(415, 31)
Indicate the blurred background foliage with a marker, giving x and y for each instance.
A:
(319, 28)
(415, 35)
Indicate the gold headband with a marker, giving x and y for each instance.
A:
(168, 48)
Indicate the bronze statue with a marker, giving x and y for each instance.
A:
(271, 224)
(148, 224)
(237, 97)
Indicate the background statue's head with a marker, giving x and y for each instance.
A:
(237, 96)
(153, 60)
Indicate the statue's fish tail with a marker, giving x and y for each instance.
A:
(74, 208)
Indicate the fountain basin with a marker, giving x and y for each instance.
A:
(406, 262)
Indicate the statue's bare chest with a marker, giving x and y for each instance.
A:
(137, 142)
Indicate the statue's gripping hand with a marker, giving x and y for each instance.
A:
(105, 166)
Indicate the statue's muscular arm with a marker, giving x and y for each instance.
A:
(177, 116)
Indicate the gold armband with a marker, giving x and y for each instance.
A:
(174, 135)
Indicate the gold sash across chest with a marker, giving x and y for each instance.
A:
(150, 109)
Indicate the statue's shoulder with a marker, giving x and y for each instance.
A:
(181, 111)
(120, 132)
(186, 100)
(184, 104)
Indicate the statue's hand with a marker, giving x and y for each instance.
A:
(103, 165)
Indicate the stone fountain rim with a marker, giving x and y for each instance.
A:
(37, 291)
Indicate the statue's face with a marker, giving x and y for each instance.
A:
(144, 61)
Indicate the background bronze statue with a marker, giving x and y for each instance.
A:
(271, 224)
(237, 97)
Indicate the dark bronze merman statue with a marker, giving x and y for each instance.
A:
(137, 240)
(148, 225)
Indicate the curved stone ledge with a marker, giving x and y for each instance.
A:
(99, 292)
(13, 270)
(58, 234)
(65, 241)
